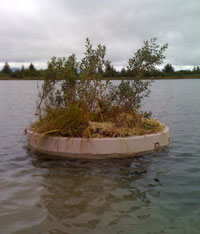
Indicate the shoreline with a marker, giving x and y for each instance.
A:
(116, 78)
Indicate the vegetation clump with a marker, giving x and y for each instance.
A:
(75, 102)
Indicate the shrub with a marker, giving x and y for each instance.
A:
(74, 101)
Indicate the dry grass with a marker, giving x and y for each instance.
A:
(109, 129)
(76, 123)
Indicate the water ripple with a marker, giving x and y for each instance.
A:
(156, 193)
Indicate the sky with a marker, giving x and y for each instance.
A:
(35, 30)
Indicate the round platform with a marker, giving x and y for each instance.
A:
(96, 148)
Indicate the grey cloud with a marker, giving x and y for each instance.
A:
(59, 27)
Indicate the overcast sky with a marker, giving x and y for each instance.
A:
(36, 30)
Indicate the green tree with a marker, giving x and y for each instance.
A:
(131, 93)
(31, 67)
(65, 72)
(168, 68)
(6, 69)
(22, 71)
(16, 74)
(196, 70)
(110, 71)
(31, 71)
(123, 72)
(93, 63)
(147, 58)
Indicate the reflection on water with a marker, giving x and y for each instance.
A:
(85, 195)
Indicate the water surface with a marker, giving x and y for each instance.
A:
(156, 193)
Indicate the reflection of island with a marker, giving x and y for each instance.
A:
(93, 197)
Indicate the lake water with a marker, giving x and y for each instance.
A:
(156, 193)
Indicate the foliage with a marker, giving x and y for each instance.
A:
(31, 67)
(131, 93)
(31, 71)
(16, 74)
(168, 68)
(73, 100)
(85, 88)
(6, 69)
(196, 69)
(110, 71)
(146, 58)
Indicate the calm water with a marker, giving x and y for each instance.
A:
(156, 193)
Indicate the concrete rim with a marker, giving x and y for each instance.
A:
(97, 148)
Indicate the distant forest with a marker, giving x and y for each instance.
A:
(110, 72)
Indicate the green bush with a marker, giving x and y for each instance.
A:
(73, 94)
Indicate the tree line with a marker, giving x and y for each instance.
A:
(108, 72)
(21, 73)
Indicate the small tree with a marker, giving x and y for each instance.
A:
(110, 71)
(130, 93)
(196, 69)
(6, 69)
(63, 71)
(23, 71)
(31, 67)
(168, 68)
(123, 72)
(85, 88)
(31, 71)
